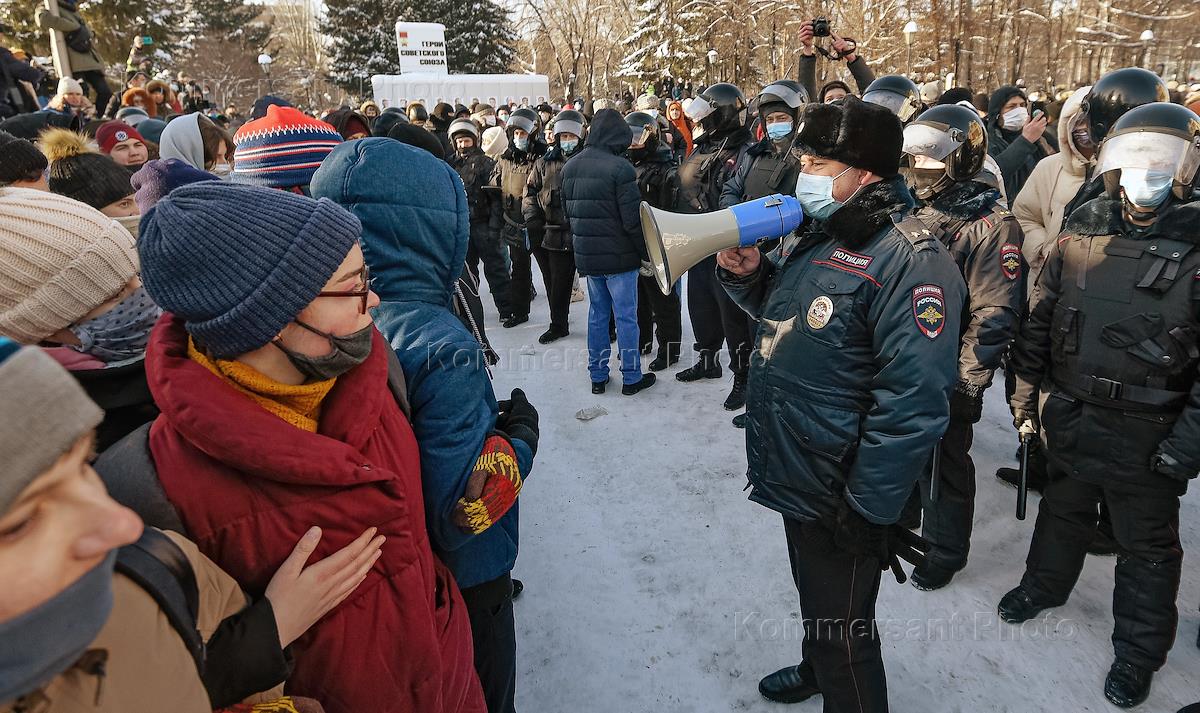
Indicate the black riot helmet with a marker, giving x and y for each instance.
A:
(950, 134)
(1159, 143)
(525, 119)
(569, 121)
(720, 109)
(777, 95)
(897, 93)
(1116, 93)
(645, 135)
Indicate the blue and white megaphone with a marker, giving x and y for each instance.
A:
(677, 241)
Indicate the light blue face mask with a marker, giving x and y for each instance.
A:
(521, 142)
(1145, 188)
(779, 130)
(569, 147)
(815, 194)
(652, 112)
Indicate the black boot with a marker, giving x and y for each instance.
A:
(1018, 606)
(646, 382)
(667, 357)
(1127, 685)
(598, 387)
(930, 577)
(515, 319)
(1193, 708)
(739, 421)
(789, 685)
(706, 368)
(737, 395)
(517, 587)
(553, 334)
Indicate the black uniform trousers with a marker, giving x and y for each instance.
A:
(492, 251)
(661, 314)
(520, 290)
(1146, 526)
(494, 634)
(558, 271)
(947, 522)
(837, 604)
(716, 318)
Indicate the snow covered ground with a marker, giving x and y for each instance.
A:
(653, 584)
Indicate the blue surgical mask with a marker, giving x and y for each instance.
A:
(1145, 188)
(815, 194)
(569, 147)
(55, 634)
(779, 130)
(521, 142)
(121, 333)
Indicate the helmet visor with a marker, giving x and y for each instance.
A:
(641, 134)
(783, 93)
(1155, 152)
(566, 126)
(516, 121)
(893, 102)
(930, 140)
(699, 109)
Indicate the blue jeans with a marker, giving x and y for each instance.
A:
(613, 295)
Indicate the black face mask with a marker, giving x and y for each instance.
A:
(923, 181)
(348, 352)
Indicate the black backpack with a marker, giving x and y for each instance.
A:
(156, 564)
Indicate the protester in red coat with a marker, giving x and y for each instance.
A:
(276, 415)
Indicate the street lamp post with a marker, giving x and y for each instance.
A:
(264, 61)
(712, 61)
(910, 31)
(1146, 38)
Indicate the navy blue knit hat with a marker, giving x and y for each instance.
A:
(238, 263)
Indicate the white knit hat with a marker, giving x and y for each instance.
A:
(59, 260)
(67, 85)
(646, 101)
(495, 141)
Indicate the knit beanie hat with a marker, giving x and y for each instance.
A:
(59, 260)
(67, 85)
(113, 133)
(646, 101)
(414, 135)
(152, 129)
(155, 179)
(78, 171)
(259, 110)
(387, 119)
(281, 150)
(19, 159)
(43, 413)
(238, 263)
(495, 141)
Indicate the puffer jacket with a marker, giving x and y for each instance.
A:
(415, 240)
(543, 204)
(248, 485)
(1040, 205)
(855, 357)
(602, 201)
(138, 663)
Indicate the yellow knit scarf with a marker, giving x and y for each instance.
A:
(298, 405)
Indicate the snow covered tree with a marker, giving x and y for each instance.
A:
(479, 35)
(667, 40)
(230, 21)
(362, 41)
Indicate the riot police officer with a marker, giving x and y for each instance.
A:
(546, 221)
(856, 356)
(658, 182)
(1112, 335)
(511, 175)
(898, 94)
(721, 112)
(475, 168)
(960, 204)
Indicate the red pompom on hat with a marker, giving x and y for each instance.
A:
(114, 132)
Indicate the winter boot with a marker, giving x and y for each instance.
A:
(517, 587)
(930, 577)
(632, 389)
(737, 395)
(553, 334)
(1018, 606)
(1127, 685)
(515, 320)
(708, 367)
(667, 357)
(598, 387)
(739, 421)
(789, 685)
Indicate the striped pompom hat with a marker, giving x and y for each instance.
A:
(281, 150)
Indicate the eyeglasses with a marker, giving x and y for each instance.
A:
(363, 291)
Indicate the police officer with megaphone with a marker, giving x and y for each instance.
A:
(856, 355)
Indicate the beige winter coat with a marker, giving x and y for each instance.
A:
(1054, 182)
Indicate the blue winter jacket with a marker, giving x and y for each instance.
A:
(415, 228)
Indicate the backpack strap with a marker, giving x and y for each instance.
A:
(156, 564)
(397, 384)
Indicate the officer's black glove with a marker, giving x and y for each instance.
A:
(966, 404)
(519, 419)
(858, 536)
(1022, 413)
(1164, 463)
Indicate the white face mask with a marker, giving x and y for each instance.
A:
(222, 170)
(1145, 188)
(489, 119)
(1015, 119)
(652, 112)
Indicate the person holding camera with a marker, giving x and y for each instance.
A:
(842, 49)
(85, 61)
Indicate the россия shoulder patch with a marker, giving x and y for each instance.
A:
(929, 309)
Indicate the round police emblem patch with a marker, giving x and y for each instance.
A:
(820, 312)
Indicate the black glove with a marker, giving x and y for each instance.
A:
(519, 419)
(1164, 463)
(966, 404)
(1022, 413)
(889, 544)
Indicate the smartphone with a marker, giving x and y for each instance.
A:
(147, 40)
(1038, 114)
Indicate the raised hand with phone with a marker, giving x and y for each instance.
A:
(840, 48)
